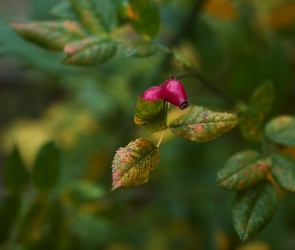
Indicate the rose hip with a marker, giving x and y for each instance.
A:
(153, 93)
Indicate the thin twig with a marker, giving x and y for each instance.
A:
(161, 138)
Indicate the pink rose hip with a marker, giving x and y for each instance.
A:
(153, 93)
(174, 92)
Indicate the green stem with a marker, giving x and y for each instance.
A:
(161, 138)
(208, 85)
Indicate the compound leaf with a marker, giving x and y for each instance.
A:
(263, 97)
(139, 48)
(283, 171)
(150, 114)
(87, 15)
(131, 165)
(52, 35)
(89, 52)
(47, 166)
(281, 129)
(251, 124)
(253, 208)
(144, 16)
(15, 174)
(201, 124)
(243, 170)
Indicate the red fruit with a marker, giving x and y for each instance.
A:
(174, 92)
(153, 93)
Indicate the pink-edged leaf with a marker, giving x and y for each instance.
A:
(283, 171)
(243, 170)
(53, 35)
(253, 208)
(89, 52)
(131, 165)
(201, 124)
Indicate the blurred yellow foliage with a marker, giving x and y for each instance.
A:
(254, 245)
(283, 15)
(61, 122)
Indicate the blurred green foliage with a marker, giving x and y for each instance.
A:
(88, 112)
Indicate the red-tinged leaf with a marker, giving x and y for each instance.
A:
(46, 167)
(281, 129)
(144, 16)
(150, 114)
(243, 170)
(251, 124)
(15, 174)
(283, 171)
(89, 52)
(139, 48)
(201, 124)
(87, 15)
(263, 97)
(53, 35)
(9, 210)
(131, 165)
(253, 208)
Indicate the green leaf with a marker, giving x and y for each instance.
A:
(107, 12)
(64, 10)
(253, 208)
(89, 52)
(281, 129)
(52, 35)
(263, 98)
(30, 229)
(201, 124)
(186, 63)
(87, 15)
(144, 16)
(251, 124)
(283, 171)
(243, 170)
(9, 211)
(139, 48)
(47, 166)
(131, 165)
(15, 174)
(150, 114)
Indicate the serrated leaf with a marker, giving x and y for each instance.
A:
(87, 15)
(150, 114)
(144, 16)
(32, 223)
(186, 63)
(9, 210)
(283, 171)
(131, 165)
(281, 129)
(263, 97)
(251, 124)
(52, 35)
(201, 124)
(243, 170)
(15, 174)
(139, 48)
(253, 208)
(64, 10)
(46, 167)
(89, 52)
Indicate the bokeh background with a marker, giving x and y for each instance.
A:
(88, 112)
